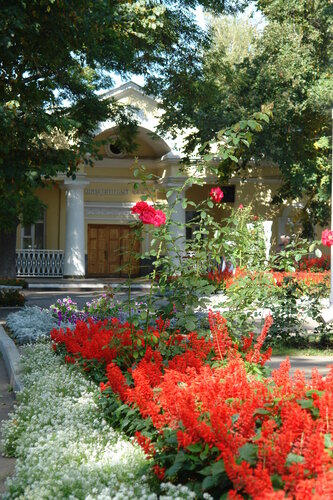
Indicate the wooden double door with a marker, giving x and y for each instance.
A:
(111, 250)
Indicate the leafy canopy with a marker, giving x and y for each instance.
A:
(287, 65)
(55, 55)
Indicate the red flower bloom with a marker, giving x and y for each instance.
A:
(159, 471)
(216, 194)
(148, 214)
(145, 444)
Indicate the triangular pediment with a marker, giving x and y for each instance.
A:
(129, 90)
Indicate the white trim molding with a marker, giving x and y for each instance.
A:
(108, 212)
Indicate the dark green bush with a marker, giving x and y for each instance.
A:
(11, 297)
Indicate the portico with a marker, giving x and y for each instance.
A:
(85, 228)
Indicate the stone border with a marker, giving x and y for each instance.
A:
(72, 287)
(12, 361)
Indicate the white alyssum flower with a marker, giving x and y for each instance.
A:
(64, 447)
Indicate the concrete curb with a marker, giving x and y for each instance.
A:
(71, 287)
(12, 361)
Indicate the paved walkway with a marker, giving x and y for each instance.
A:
(7, 398)
(304, 363)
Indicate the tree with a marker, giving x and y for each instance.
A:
(55, 55)
(287, 65)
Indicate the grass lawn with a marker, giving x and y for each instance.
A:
(307, 351)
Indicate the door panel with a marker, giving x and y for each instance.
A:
(129, 247)
(111, 247)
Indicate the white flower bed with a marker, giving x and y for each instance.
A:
(31, 324)
(64, 447)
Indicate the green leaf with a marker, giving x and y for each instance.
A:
(318, 253)
(208, 157)
(211, 481)
(190, 325)
(248, 453)
(328, 441)
(293, 458)
(172, 471)
(261, 411)
(305, 403)
(194, 448)
(233, 158)
(217, 467)
(234, 418)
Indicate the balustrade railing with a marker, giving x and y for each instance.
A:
(43, 263)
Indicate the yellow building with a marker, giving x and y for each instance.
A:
(87, 219)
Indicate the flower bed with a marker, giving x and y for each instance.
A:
(205, 418)
(64, 446)
(307, 279)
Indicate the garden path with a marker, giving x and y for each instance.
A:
(304, 363)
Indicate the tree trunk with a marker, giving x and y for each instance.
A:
(8, 254)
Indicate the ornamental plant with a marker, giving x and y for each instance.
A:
(148, 214)
(66, 311)
(64, 447)
(327, 237)
(216, 194)
(180, 267)
(315, 264)
(204, 417)
(30, 324)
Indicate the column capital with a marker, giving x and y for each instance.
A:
(174, 182)
(78, 183)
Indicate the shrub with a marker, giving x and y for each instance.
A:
(11, 297)
(207, 416)
(30, 324)
(13, 282)
(135, 365)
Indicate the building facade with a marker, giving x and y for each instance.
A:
(86, 226)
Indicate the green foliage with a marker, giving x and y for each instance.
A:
(13, 282)
(11, 297)
(288, 66)
(54, 57)
(181, 267)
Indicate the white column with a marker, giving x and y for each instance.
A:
(178, 219)
(74, 261)
(268, 236)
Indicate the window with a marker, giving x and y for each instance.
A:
(33, 236)
(113, 148)
(228, 193)
(191, 217)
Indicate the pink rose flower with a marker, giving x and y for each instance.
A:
(327, 238)
(216, 194)
(148, 214)
(159, 219)
(139, 207)
(241, 206)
